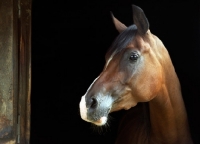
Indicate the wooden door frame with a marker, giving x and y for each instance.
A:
(16, 18)
(24, 37)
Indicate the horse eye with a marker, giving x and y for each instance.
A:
(134, 57)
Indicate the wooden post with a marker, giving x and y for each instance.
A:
(15, 71)
(24, 69)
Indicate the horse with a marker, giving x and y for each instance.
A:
(139, 77)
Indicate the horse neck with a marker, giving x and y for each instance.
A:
(168, 116)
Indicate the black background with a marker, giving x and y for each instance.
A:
(69, 42)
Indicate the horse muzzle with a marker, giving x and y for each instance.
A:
(95, 109)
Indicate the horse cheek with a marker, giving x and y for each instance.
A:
(154, 84)
(147, 86)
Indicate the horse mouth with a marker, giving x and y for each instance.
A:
(101, 121)
(97, 120)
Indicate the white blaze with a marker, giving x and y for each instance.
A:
(111, 57)
(83, 109)
(109, 61)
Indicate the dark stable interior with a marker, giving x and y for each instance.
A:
(69, 43)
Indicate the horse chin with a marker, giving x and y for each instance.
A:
(129, 107)
(102, 121)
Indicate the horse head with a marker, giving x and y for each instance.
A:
(132, 72)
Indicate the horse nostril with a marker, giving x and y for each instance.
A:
(93, 103)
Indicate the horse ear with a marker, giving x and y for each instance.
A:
(140, 19)
(118, 25)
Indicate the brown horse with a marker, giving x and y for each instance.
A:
(138, 71)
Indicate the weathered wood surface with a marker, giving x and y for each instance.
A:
(24, 70)
(7, 72)
(15, 71)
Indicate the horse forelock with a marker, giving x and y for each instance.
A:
(122, 40)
